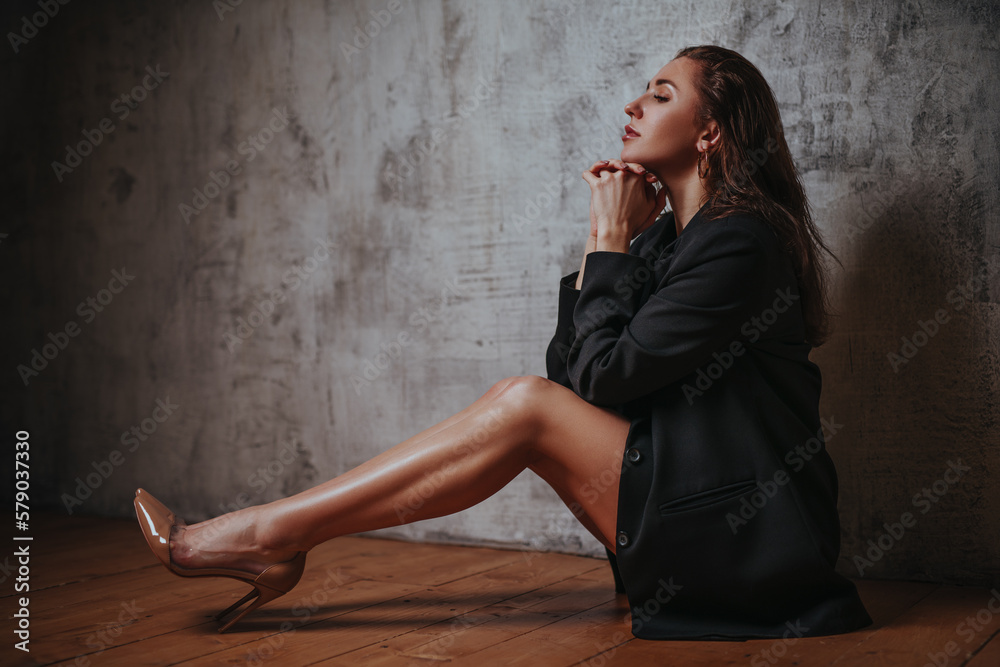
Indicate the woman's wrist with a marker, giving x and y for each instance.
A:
(613, 240)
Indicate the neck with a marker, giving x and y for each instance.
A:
(686, 195)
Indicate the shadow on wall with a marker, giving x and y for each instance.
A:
(910, 373)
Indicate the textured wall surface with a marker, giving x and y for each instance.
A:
(347, 192)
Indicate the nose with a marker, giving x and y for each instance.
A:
(633, 108)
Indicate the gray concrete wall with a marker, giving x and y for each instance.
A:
(424, 185)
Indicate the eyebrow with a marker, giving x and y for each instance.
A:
(660, 82)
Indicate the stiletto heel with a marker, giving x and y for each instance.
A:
(157, 524)
(236, 604)
(260, 596)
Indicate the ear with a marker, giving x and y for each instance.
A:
(710, 136)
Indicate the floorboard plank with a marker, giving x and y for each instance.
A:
(99, 597)
(465, 633)
(928, 628)
(989, 654)
(384, 621)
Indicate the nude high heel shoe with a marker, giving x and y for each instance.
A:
(157, 522)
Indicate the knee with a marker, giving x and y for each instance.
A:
(499, 386)
(526, 395)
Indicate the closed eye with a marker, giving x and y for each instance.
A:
(660, 98)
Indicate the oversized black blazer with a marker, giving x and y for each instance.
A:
(727, 519)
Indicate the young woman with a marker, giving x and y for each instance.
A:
(679, 373)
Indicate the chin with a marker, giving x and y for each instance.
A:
(629, 155)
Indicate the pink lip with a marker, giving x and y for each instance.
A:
(629, 133)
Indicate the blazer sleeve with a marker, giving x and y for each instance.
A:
(558, 350)
(623, 348)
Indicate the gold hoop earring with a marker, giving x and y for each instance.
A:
(700, 156)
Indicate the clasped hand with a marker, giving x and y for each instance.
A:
(623, 202)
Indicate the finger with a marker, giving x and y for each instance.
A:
(598, 166)
(635, 167)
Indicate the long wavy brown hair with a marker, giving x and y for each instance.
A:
(751, 170)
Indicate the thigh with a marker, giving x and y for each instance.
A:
(471, 409)
(578, 450)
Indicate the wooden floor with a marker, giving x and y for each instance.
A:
(98, 597)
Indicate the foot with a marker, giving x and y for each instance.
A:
(228, 541)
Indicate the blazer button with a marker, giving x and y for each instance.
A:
(633, 454)
(622, 538)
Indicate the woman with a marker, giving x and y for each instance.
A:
(679, 371)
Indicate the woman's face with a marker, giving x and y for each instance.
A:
(664, 119)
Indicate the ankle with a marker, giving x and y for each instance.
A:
(270, 536)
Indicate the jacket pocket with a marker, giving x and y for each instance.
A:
(708, 498)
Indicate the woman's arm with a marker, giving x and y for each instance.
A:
(589, 248)
(557, 352)
(558, 349)
(611, 233)
(624, 348)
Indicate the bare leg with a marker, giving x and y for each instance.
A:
(523, 422)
